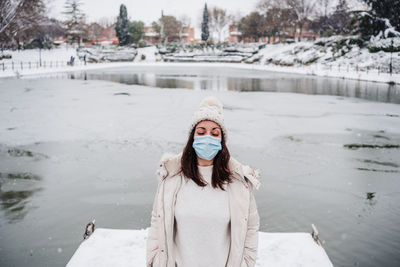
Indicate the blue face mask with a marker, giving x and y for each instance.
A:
(206, 146)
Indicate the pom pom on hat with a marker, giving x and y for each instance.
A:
(210, 109)
(211, 101)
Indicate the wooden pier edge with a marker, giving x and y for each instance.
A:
(314, 234)
(90, 227)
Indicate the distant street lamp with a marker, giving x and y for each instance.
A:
(391, 52)
(40, 52)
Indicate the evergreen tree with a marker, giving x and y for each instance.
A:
(204, 25)
(136, 31)
(376, 19)
(75, 20)
(122, 26)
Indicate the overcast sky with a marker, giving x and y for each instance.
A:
(150, 10)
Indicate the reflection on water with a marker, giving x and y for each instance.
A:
(16, 191)
(17, 152)
(49, 190)
(370, 195)
(314, 179)
(225, 78)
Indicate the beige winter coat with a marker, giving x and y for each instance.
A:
(245, 220)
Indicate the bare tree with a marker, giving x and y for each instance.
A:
(49, 29)
(95, 32)
(19, 16)
(279, 19)
(218, 20)
(106, 22)
(323, 14)
(185, 23)
(264, 5)
(304, 10)
(251, 25)
(185, 19)
(75, 20)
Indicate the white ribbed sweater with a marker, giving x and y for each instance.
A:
(202, 221)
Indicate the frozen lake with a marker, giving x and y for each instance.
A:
(236, 79)
(74, 150)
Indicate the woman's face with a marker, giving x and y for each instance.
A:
(208, 128)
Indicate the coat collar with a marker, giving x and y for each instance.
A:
(170, 165)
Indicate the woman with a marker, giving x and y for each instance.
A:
(204, 212)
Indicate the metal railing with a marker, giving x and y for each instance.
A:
(343, 68)
(24, 65)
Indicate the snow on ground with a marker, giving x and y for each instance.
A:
(318, 70)
(332, 52)
(38, 110)
(229, 54)
(62, 54)
(107, 54)
(150, 53)
(117, 247)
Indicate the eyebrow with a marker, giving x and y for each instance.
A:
(211, 129)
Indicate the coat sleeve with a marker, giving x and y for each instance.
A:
(253, 225)
(152, 243)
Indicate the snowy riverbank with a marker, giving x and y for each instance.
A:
(318, 70)
(359, 66)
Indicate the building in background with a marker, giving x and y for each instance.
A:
(187, 35)
(152, 37)
(235, 36)
(288, 34)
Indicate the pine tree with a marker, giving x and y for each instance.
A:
(382, 11)
(204, 25)
(136, 31)
(122, 26)
(75, 20)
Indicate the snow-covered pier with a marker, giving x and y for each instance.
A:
(119, 247)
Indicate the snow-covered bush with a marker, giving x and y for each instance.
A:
(386, 45)
(110, 54)
(210, 53)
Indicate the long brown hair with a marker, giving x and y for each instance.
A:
(221, 173)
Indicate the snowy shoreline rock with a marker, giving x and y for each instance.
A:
(346, 52)
(214, 53)
(336, 56)
(98, 54)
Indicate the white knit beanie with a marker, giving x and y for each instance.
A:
(210, 109)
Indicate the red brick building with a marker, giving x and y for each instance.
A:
(152, 37)
(187, 35)
(235, 36)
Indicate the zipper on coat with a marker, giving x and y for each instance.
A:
(165, 232)
(173, 210)
(172, 217)
(244, 242)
